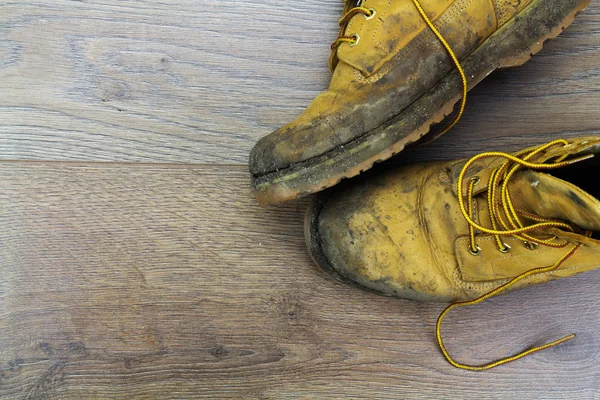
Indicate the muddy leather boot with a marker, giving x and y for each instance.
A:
(393, 77)
(432, 232)
(464, 230)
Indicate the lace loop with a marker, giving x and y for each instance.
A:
(512, 226)
(487, 296)
(503, 213)
(349, 13)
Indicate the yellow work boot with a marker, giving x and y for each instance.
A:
(464, 230)
(398, 67)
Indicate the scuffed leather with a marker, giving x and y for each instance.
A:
(396, 60)
(402, 234)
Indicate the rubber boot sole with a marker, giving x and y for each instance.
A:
(510, 46)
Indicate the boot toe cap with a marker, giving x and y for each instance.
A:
(282, 148)
(367, 235)
(348, 240)
(326, 124)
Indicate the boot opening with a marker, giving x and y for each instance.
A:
(583, 175)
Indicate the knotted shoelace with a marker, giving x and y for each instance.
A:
(506, 221)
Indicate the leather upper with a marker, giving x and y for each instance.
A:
(397, 59)
(402, 234)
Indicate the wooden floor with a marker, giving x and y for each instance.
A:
(135, 263)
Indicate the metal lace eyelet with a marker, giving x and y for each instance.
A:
(475, 180)
(475, 252)
(506, 248)
(371, 15)
(530, 245)
(356, 39)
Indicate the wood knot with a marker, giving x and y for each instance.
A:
(219, 351)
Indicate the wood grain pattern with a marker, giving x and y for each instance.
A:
(201, 81)
(170, 81)
(135, 263)
(145, 282)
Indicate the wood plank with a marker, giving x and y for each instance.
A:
(200, 82)
(150, 281)
(169, 81)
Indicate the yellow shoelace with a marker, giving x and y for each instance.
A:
(499, 204)
(369, 13)
(498, 193)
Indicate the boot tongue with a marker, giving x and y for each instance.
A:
(550, 197)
